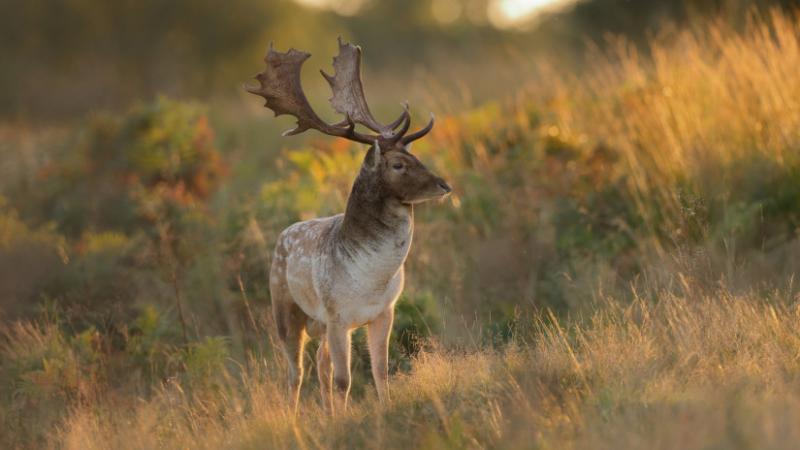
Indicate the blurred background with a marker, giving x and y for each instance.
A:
(125, 132)
(598, 148)
(64, 59)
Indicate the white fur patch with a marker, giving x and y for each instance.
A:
(334, 287)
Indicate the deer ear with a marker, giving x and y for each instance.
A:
(374, 161)
(407, 147)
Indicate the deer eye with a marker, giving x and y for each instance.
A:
(397, 166)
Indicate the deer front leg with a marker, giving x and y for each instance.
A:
(338, 337)
(378, 332)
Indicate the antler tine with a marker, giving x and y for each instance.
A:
(405, 115)
(405, 140)
(405, 119)
(280, 86)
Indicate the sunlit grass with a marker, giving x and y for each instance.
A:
(716, 371)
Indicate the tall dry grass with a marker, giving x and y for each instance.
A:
(685, 372)
(688, 111)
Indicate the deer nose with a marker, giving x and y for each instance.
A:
(446, 187)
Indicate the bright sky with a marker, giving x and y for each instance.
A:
(343, 7)
(516, 8)
(509, 13)
(501, 13)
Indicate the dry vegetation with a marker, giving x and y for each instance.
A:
(625, 240)
(685, 372)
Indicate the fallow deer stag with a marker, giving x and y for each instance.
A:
(332, 275)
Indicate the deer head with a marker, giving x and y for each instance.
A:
(388, 167)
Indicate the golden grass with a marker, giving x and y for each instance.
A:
(709, 372)
(697, 104)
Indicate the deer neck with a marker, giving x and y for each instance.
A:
(374, 222)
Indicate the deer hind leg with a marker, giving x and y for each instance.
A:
(291, 332)
(325, 374)
(291, 324)
(338, 343)
(317, 329)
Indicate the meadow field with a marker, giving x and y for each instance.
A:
(615, 268)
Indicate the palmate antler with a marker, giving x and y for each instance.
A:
(280, 86)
